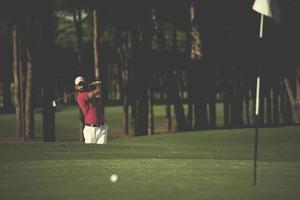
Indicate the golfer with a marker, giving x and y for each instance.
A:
(91, 105)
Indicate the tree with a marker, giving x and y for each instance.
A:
(16, 70)
(47, 64)
(294, 95)
(291, 41)
(196, 83)
(28, 115)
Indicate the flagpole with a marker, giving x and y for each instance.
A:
(258, 97)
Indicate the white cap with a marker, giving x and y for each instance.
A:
(79, 79)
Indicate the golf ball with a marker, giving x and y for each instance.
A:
(113, 178)
(53, 104)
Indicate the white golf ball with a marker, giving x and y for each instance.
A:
(113, 178)
(53, 104)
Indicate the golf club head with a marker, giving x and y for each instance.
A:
(53, 104)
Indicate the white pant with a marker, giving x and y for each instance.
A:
(95, 135)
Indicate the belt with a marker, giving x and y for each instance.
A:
(95, 125)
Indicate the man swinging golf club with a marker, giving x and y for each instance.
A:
(91, 105)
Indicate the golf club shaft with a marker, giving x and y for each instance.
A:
(72, 93)
(64, 96)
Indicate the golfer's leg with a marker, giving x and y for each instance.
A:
(102, 134)
(88, 133)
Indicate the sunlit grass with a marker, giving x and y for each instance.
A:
(216, 164)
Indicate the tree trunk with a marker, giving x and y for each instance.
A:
(269, 107)
(143, 77)
(48, 113)
(123, 77)
(29, 130)
(262, 107)
(236, 103)
(212, 112)
(125, 115)
(190, 114)
(96, 45)
(201, 120)
(196, 47)
(150, 110)
(77, 18)
(132, 74)
(294, 97)
(173, 94)
(196, 83)
(21, 77)
(125, 73)
(168, 116)
(247, 105)
(276, 105)
(226, 107)
(141, 104)
(81, 126)
(122, 81)
(162, 46)
(16, 81)
(47, 61)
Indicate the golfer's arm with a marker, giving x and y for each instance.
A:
(94, 93)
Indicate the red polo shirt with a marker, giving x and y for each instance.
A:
(92, 109)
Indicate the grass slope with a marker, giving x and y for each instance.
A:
(193, 165)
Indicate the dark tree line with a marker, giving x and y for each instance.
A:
(191, 56)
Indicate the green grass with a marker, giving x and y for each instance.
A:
(192, 165)
(67, 123)
(208, 165)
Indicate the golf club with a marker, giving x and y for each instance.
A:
(72, 93)
(55, 100)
